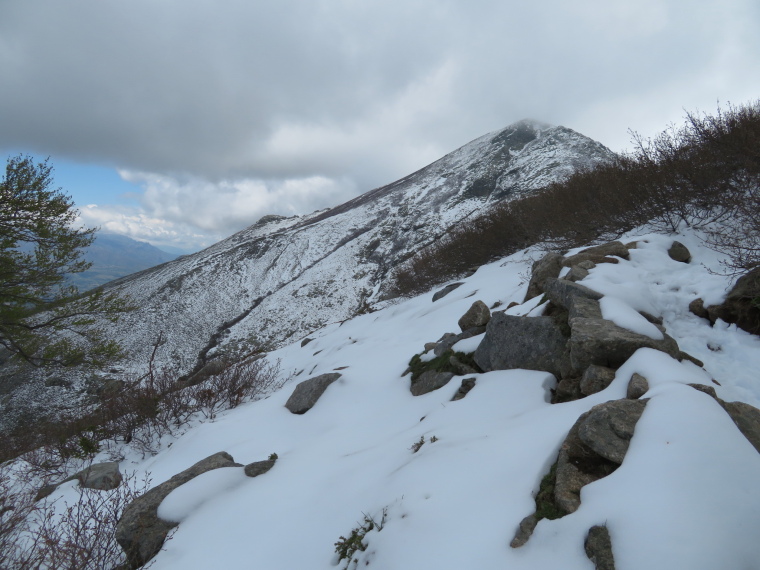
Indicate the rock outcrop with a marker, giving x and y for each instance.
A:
(140, 532)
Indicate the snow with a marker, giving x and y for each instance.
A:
(620, 313)
(685, 496)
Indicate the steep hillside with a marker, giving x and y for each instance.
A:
(398, 481)
(284, 277)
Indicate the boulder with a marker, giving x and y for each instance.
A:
(602, 342)
(608, 429)
(467, 385)
(567, 390)
(742, 304)
(679, 252)
(306, 341)
(477, 315)
(598, 548)
(599, 254)
(563, 292)
(576, 273)
(445, 291)
(460, 367)
(595, 379)
(524, 530)
(450, 339)
(637, 387)
(697, 307)
(309, 391)
(548, 266)
(429, 381)
(594, 447)
(747, 419)
(260, 467)
(584, 307)
(140, 532)
(534, 343)
(100, 476)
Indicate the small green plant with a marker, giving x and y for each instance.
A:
(418, 444)
(439, 364)
(546, 508)
(272, 457)
(347, 547)
(433, 439)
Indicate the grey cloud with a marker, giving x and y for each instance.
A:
(340, 90)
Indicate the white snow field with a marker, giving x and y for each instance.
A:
(685, 497)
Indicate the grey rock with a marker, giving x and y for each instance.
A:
(567, 390)
(449, 339)
(598, 548)
(709, 390)
(747, 419)
(467, 385)
(460, 367)
(140, 532)
(608, 429)
(524, 531)
(430, 346)
(679, 252)
(535, 343)
(306, 341)
(429, 381)
(548, 266)
(100, 476)
(477, 315)
(599, 254)
(309, 391)
(576, 273)
(586, 264)
(584, 307)
(601, 342)
(259, 467)
(595, 379)
(744, 416)
(594, 448)
(445, 291)
(637, 387)
(561, 292)
(570, 477)
(739, 306)
(686, 356)
(697, 307)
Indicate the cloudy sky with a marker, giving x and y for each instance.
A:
(182, 121)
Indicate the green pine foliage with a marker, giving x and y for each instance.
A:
(42, 319)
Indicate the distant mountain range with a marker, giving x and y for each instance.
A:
(113, 256)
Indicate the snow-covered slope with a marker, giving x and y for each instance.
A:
(686, 495)
(284, 277)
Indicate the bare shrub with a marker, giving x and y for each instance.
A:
(246, 380)
(704, 174)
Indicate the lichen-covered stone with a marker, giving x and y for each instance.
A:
(477, 315)
(548, 266)
(429, 381)
(637, 387)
